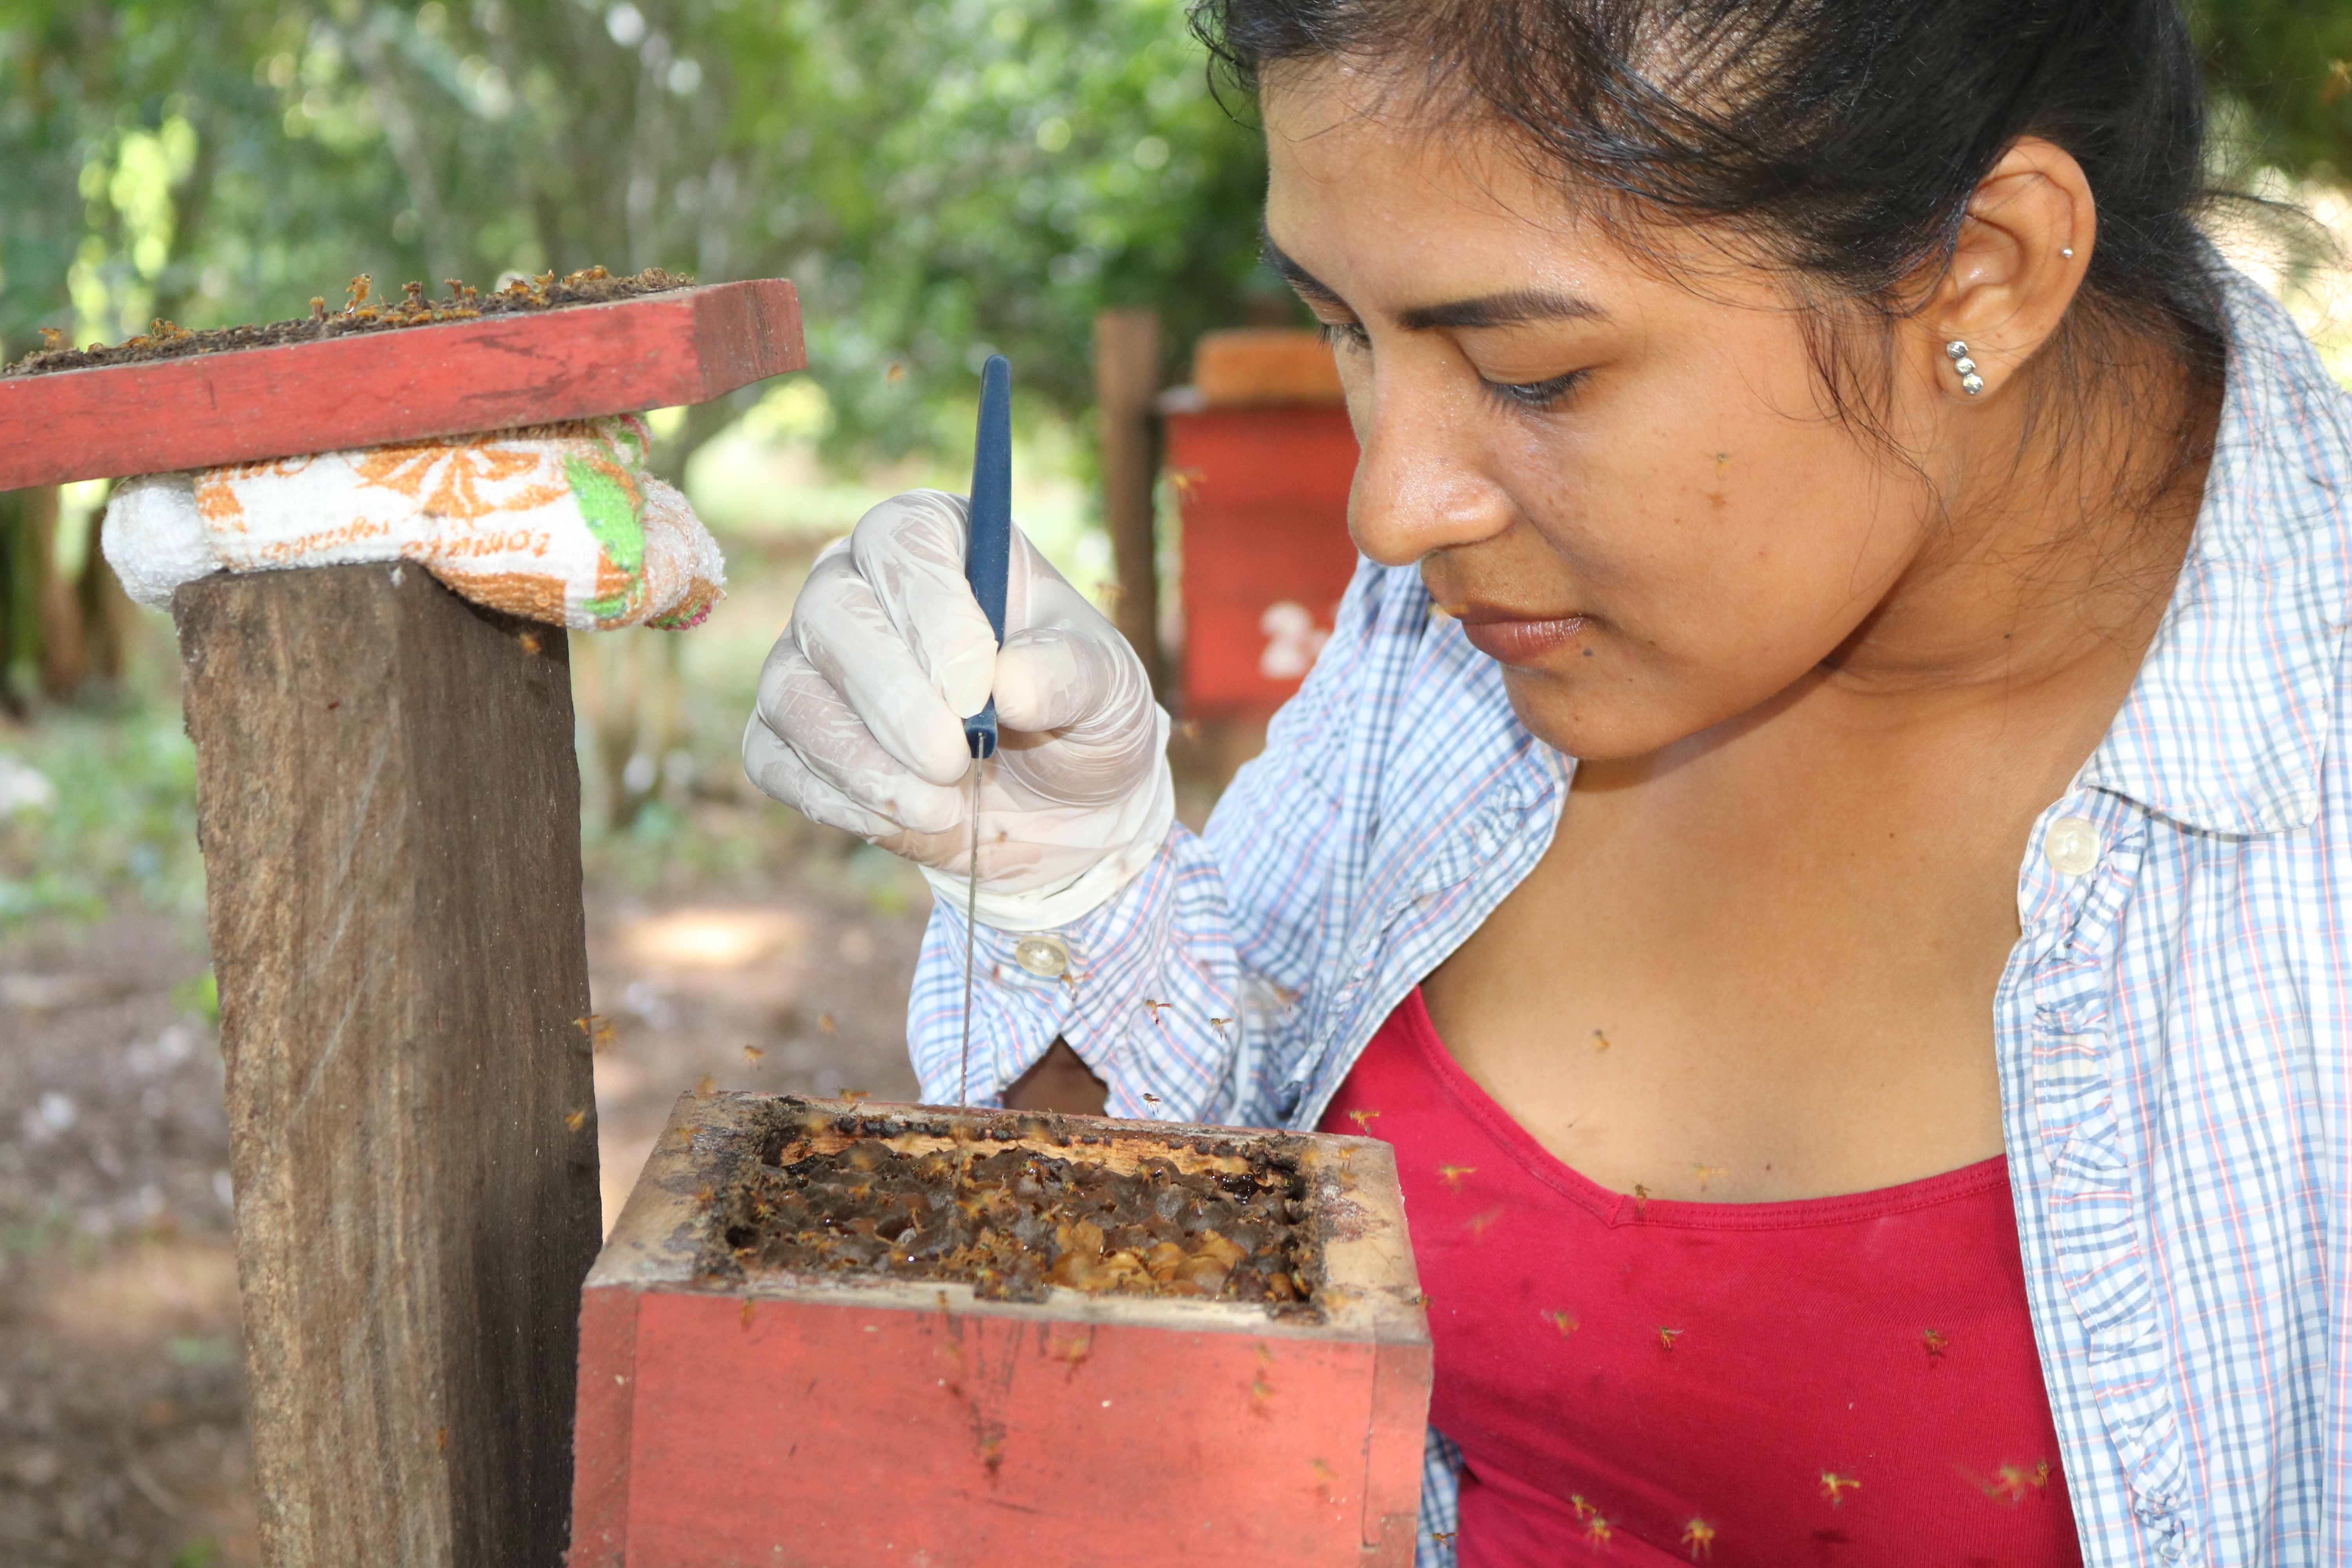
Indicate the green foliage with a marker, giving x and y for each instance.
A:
(115, 822)
(2280, 72)
(941, 178)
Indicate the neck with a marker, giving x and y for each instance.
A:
(2066, 525)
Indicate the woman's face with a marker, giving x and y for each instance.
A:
(1626, 485)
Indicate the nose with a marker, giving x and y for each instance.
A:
(1420, 483)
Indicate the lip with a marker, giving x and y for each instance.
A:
(1518, 639)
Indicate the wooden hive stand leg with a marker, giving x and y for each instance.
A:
(390, 813)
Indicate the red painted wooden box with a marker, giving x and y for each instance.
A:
(859, 1420)
(1263, 496)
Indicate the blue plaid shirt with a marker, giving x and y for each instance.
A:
(2174, 1027)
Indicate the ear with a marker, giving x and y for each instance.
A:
(2023, 248)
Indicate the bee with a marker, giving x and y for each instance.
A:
(52, 339)
(2010, 1483)
(1834, 1486)
(1666, 1337)
(1699, 1536)
(747, 1311)
(753, 1055)
(854, 1095)
(358, 290)
(599, 1029)
(1707, 1173)
(1600, 1041)
(1596, 1531)
(1641, 1197)
(895, 373)
(1565, 1322)
(1934, 1342)
(441, 1439)
(416, 292)
(1184, 481)
(1150, 1100)
(825, 1022)
(1476, 1224)
(1108, 596)
(1219, 1025)
(1454, 1174)
(706, 1084)
(1155, 1009)
(1582, 1509)
(1443, 1536)
(577, 1120)
(1363, 1121)
(529, 641)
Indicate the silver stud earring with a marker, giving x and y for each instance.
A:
(2067, 251)
(1957, 352)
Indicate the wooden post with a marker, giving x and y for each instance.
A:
(390, 813)
(1127, 378)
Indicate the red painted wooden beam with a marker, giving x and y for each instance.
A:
(658, 351)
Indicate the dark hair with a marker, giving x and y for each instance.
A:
(1843, 137)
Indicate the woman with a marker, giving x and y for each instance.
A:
(1818, 833)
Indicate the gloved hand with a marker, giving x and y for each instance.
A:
(859, 721)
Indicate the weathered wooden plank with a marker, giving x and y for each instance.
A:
(389, 810)
(659, 351)
(1126, 379)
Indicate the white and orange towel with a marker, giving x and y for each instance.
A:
(560, 524)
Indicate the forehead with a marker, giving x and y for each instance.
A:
(1372, 180)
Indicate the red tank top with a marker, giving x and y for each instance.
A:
(1849, 1381)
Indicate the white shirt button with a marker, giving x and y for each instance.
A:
(1043, 956)
(2072, 845)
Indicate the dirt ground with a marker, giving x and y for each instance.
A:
(123, 1436)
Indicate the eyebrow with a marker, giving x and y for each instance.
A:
(1509, 308)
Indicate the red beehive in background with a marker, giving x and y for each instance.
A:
(1262, 457)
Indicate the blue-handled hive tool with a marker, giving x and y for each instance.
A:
(987, 561)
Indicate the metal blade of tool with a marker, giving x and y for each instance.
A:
(987, 561)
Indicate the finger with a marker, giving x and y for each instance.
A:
(910, 550)
(1051, 678)
(803, 710)
(840, 629)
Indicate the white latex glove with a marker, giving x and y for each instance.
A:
(860, 717)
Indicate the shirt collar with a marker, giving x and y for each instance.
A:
(2230, 718)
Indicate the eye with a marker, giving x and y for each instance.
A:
(1351, 334)
(1537, 395)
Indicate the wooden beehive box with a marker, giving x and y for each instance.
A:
(776, 1367)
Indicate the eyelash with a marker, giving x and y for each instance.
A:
(1536, 396)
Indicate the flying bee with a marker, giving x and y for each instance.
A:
(1666, 1336)
(1600, 1041)
(825, 1022)
(600, 1030)
(577, 1120)
(1454, 1174)
(706, 1084)
(1934, 1342)
(752, 1055)
(1155, 1009)
(1476, 1224)
(1706, 1173)
(1363, 1121)
(1641, 1197)
(1834, 1486)
(1699, 1536)
(1565, 1322)
(52, 339)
